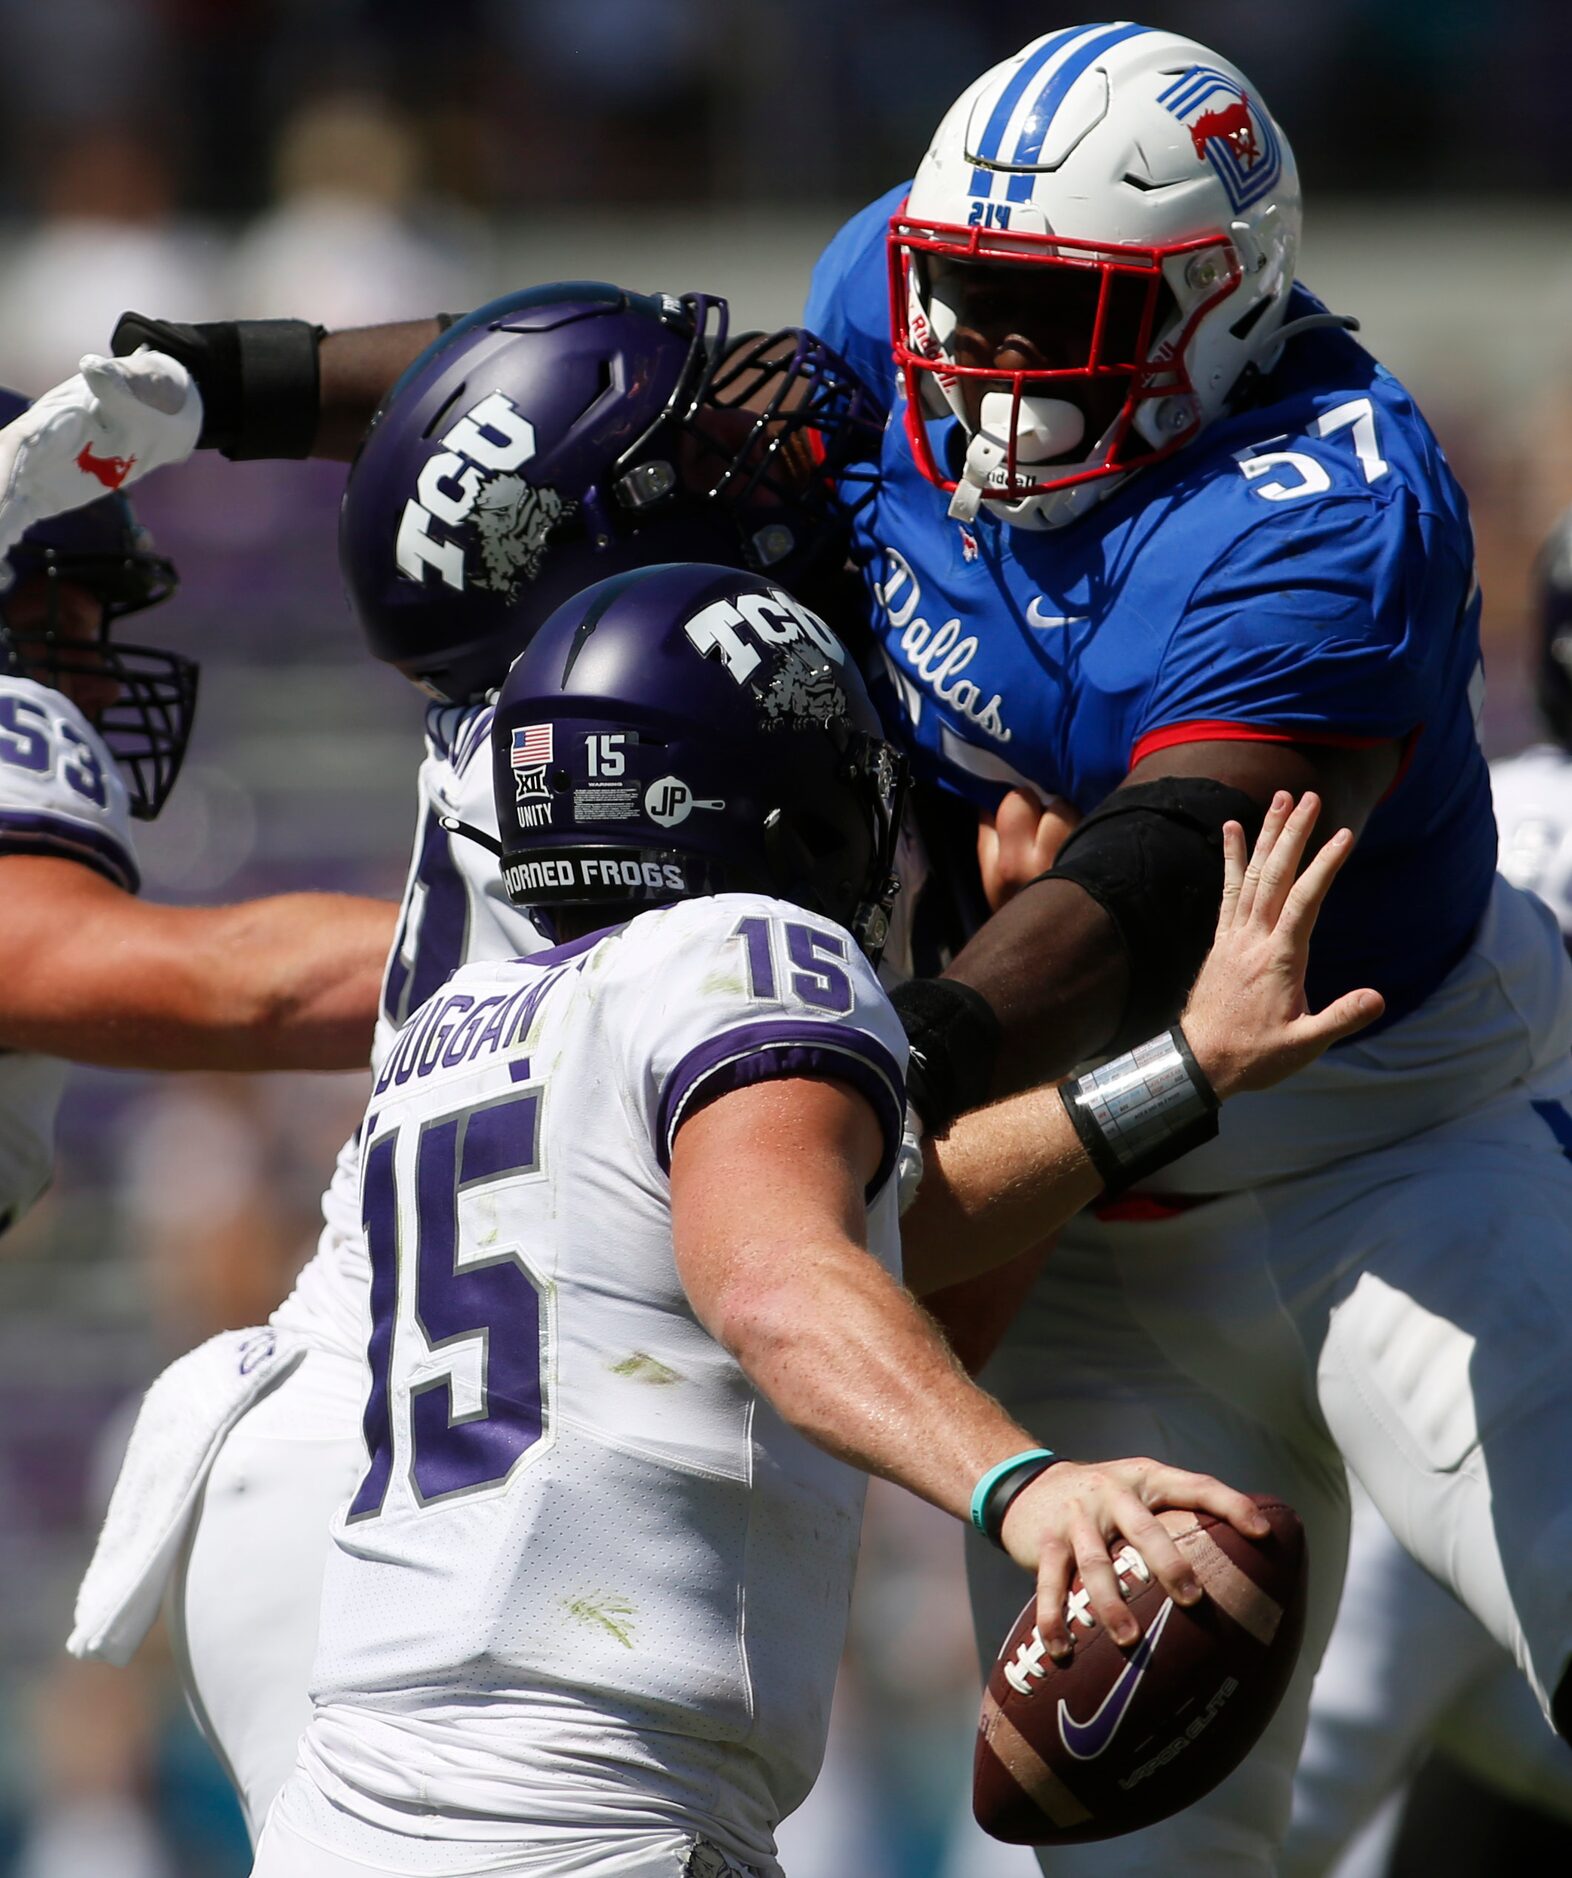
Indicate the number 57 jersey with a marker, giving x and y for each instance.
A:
(585, 1556)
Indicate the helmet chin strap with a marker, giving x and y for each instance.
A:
(1271, 350)
(1045, 428)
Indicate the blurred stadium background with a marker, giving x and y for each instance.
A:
(351, 160)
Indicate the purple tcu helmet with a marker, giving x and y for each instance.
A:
(103, 551)
(686, 730)
(559, 436)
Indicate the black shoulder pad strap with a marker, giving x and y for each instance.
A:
(1151, 856)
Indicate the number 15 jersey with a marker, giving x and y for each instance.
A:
(587, 1564)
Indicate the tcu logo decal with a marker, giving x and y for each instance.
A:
(473, 479)
(802, 684)
(773, 619)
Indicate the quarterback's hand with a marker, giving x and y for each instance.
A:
(106, 427)
(1247, 1020)
(1064, 1522)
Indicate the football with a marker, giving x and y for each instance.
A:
(1115, 1740)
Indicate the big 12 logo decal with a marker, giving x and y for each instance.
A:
(472, 486)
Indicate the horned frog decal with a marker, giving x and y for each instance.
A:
(513, 521)
(803, 688)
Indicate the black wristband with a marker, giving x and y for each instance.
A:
(1139, 1111)
(1008, 1492)
(954, 1037)
(260, 380)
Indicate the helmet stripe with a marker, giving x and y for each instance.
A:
(1030, 143)
(1010, 97)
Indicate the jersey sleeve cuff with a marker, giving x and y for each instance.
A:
(32, 831)
(765, 1052)
(1223, 730)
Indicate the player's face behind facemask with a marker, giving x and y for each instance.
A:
(1058, 346)
(73, 578)
(558, 437)
(687, 730)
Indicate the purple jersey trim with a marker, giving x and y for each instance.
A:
(30, 831)
(570, 948)
(765, 1052)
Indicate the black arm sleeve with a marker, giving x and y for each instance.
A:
(260, 380)
(1151, 856)
(954, 1038)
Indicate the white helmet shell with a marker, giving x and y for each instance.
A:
(1119, 148)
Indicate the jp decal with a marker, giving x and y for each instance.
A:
(669, 800)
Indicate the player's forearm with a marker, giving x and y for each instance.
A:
(994, 1184)
(854, 1364)
(285, 983)
(316, 962)
(359, 366)
(1052, 966)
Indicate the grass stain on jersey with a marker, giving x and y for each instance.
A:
(642, 1367)
(606, 1612)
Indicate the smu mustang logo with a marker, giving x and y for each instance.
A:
(472, 486)
(1228, 132)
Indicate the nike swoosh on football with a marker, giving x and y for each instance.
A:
(1086, 1740)
(1035, 616)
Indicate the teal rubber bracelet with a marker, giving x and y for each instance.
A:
(982, 1493)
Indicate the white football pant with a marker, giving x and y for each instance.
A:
(243, 1605)
(1407, 1669)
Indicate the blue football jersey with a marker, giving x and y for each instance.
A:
(1302, 572)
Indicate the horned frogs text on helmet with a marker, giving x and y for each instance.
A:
(1114, 214)
(691, 729)
(558, 436)
(105, 552)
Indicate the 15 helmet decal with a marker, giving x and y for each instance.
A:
(559, 436)
(1115, 214)
(695, 730)
(105, 552)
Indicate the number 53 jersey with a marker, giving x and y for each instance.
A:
(587, 1564)
(60, 796)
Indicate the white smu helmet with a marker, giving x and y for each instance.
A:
(1115, 208)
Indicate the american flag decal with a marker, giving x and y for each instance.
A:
(532, 746)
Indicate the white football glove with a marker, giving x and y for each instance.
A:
(106, 427)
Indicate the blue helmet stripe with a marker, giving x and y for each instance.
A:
(1192, 87)
(1053, 94)
(1010, 97)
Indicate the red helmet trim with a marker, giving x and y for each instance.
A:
(1164, 375)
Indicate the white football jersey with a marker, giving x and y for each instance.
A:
(1533, 798)
(454, 911)
(61, 795)
(587, 1566)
